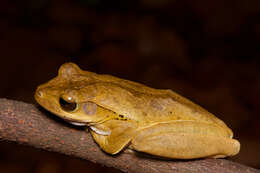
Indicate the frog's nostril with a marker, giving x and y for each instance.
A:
(40, 93)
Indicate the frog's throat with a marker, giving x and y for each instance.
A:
(99, 131)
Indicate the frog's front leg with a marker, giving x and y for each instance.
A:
(113, 135)
(185, 140)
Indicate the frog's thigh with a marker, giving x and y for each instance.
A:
(184, 140)
(121, 133)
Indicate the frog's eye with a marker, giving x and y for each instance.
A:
(68, 106)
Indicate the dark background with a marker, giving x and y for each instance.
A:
(208, 51)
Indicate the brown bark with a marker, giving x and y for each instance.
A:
(27, 124)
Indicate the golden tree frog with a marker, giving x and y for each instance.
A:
(124, 114)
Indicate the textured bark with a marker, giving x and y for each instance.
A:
(30, 125)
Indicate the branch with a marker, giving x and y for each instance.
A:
(26, 124)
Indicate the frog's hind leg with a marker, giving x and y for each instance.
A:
(185, 140)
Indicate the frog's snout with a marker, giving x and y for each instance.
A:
(41, 95)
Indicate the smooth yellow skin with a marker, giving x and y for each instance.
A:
(122, 113)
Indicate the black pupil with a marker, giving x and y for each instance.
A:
(67, 106)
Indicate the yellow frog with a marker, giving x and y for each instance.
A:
(121, 113)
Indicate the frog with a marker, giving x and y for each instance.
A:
(125, 115)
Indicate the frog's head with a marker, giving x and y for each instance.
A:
(63, 96)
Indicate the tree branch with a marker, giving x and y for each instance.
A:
(26, 124)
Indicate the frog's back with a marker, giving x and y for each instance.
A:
(153, 105)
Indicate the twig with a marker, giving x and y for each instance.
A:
(27, 124)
